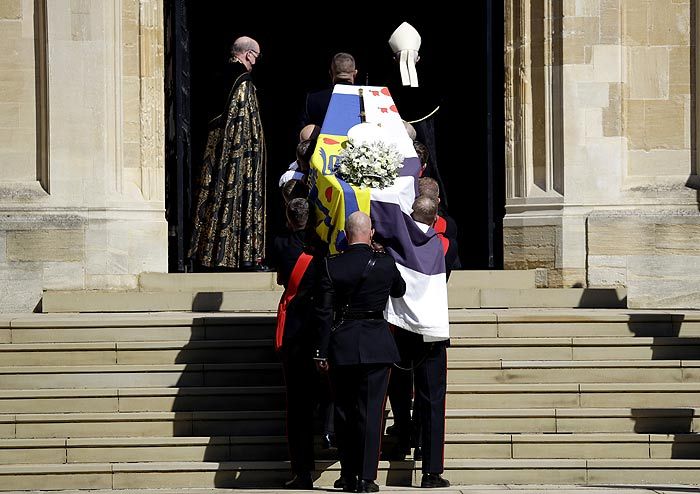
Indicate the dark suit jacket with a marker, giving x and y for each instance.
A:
(298, 326)
(365, 341)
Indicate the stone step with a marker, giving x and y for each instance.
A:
(454, 489)
(142, 399)
(139, 376)
(230, 282)
(265, 374)
(513, 323)
(274, 448)
(610, 298)
(145, 449)
(588, 323)
(134, 301)
(272, 474)
(261, 351)
(138, 353)
(142, 424)
(659, 420)
(208, 282)
(568, 371)
(250, 398)
(183, 375)
(521, 279)
(267, 300)
(113, 327)
(572, 395)
(577, 348)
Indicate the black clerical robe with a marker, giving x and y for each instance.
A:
(229, 214)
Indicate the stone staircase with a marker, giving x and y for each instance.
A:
(127, 400)
(258, 292)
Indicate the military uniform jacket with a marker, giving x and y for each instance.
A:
(298, 326)
(356, 341)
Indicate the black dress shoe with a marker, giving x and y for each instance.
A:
(346, 482)
(432, 480)
(366, 486)
(300, 482)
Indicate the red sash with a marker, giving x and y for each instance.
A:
(440, 228)
(289, 294)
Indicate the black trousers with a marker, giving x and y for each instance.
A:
(326, 410)
(360, 393)
(400, 393)
(300, 378)
(429, 363)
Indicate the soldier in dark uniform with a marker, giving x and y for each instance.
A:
(356, 345)
(342, 71)
(296, 342)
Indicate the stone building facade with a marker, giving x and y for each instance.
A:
(81, 146)
(601, 138)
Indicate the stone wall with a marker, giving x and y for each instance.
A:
(656, 254)
(17, 92)
(86, 210)
(601, 148)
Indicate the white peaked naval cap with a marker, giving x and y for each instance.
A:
(405, 42)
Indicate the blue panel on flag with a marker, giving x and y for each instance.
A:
(343, 112)
(411, 167)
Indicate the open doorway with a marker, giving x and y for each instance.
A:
(295, 59)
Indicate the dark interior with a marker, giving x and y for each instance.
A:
(296, 51)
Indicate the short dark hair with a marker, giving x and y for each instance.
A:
(428, 187)
(294, 189)
(343, 66)
(424, 210)
(422, 152)
(298, 213)
(305, 150)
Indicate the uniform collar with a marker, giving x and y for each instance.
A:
(358, 247)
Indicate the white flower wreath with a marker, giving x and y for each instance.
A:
(369, 164)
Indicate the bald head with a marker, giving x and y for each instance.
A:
(358, 228)
(246, 51)
(311, 131)
(243, 44)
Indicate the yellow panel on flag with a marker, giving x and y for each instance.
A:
(333, 198)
